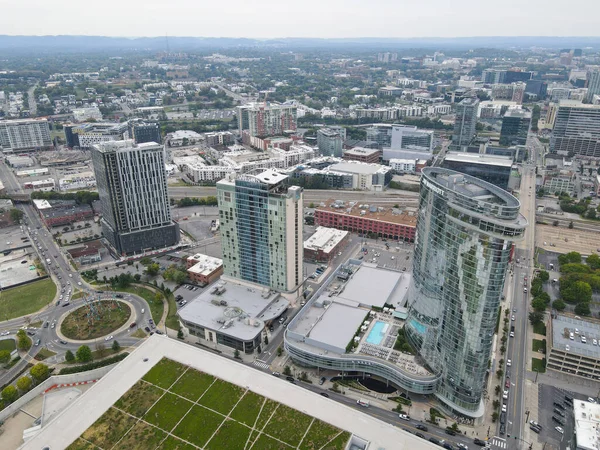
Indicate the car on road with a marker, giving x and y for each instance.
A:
(290, 379)
(421, 435)
(560, 412)
(505, 394)
(325, 394)
(560, 430)
(31, 333)
(479, 442)
(404, 416)
(421, 427)
(108, 338)
(53, 325)
(508, 363)
(558, 420)
(463, 446)
(504, 408)
(507, 383)
(512, 334)
(79, 283)
(147, 329)
(5, 333)
(450, 432)
(37, 342)
(322, 380)
(447, 446)
(63, 342)
(591, 400)
(513, 318)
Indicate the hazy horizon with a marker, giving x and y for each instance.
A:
(269, 19)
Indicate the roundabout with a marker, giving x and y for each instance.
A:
(95, 320)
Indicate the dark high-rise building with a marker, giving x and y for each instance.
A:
(132, 183)
(538, 88)
(465, 231)
(466, 120)
(141, 131)
(494, 169)
(515, 127)
(514, 76)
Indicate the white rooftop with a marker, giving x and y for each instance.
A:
(325, 239)
(587, 424)
(270, 177)
(358, 167)
(371, 286)
(85, 410)
(477, 158)
(205, 264)
(41, 204)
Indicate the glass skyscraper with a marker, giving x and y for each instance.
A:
(465, 231)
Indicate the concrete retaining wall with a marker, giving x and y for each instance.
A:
(53, 381)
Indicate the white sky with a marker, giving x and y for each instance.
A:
(301, 18)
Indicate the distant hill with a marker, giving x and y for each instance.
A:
(34, 44)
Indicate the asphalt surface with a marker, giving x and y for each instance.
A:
(63, 275)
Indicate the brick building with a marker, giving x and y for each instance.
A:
(324, 244)
(388, 223)
(204, 269)
(366, 155)
(90, 252)
(55, 213)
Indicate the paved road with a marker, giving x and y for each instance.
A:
(32, 100)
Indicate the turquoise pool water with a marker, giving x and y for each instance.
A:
(376, 334)
(419, 327)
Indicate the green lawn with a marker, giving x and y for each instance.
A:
(7, 344)
(193, 384)
(43, 354)
(279, 425)
(141, 434)
(198, 426)
(231, 436)
(248, 408)
(156, 307)
(109, 428)
(172, 321)
(540, 328)
(164, 373)
(537, 365)
(27, 299)
(96, 320)
(172, 443)
(139, 399)
(538, 345)
(319, 434)
(168, 411)
(222, 396)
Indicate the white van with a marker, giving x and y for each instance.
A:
(362, 402)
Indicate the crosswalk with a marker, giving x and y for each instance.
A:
(498, 442)
(261, 364)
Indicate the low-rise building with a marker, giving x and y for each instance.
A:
(403, 165)
(32, 172)
(324, 244)
(40, 185)
(587, 424)
(219, 138)
(560, 183)
(17, 162)
(90, 252)
(365, 219)
(83, 114)
(77, 181)
(366, 177)
(204, 269)
(365, 155)
(183, 137)
(56, 213)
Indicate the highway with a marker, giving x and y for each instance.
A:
(64, 277)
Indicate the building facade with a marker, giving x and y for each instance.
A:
(365, 155)
(329, 142)
(406, 137)
(28, 134)
(466, 120)
(461, 255)
(494, 169)
(515, 127)
(267, 119)
(261, 219)
(203, 269)
(576, 129)
(593, 85)
(141, 131)
(132, 183)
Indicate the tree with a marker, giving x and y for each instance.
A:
(16, 215)
(4, 356)
(152, 269)
(577, 292)
(583, 309)
(535, 317)
(287, 371)
(538, 304)
(39, 372)
(83, 354)
(116, 346)
(312, 205)
(544, 275)
(495, 416)
(23, 342)
(593, 261)
(101, 350)
(10, 394)
(24, 383)
(559, 305)
(497, 390)
(571, 225)
(499, 373)
(137, 277)
(266, 340)
(236, 353)
(279, 351)
(69, 356)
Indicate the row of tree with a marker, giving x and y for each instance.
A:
(37, 374)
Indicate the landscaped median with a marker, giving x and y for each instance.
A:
(26, 299)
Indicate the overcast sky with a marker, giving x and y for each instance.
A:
(301, 18)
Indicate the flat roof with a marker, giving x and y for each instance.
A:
(563, 325)
(370, 286)
(337, 325)
(390, 215)
(478, 158)
(325, 239)
(41, 204)
(205, 264)
(361, 151)
(358, 167)
(270, 177)
(587, 424)
(68, 425)
(239, 311)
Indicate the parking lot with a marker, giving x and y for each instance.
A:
(552, 403)
(565, 240)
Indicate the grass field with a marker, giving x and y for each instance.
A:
(43, 354)
(539, 328)
(7, 344)
(85, 323)
(27, 299)
(176, 407)
(537, 365)
(156, 307)
(538, 345)
(172, 321)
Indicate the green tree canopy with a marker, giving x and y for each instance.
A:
(538, 304)
(152, 269)
(4, 356)
(39, 372)
(593, 261)
(577, 292)
(69, 356)
(535, 317)
(10, 394)
(571, 257)
(83, 354)
(559, 305)
(543, 275)
(24, 384)
(583, 309)
(16, 215)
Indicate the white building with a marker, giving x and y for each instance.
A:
(183, 137)
(403, 165)
(587, 425)
(40, 185)
(83, 114)
(77, 181)
(365, 176)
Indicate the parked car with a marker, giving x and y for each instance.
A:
(404, 416)
(421, 427)
(325, 394)
(479, 442)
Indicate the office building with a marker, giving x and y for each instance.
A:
(593, 85)
(491, 168)
(515, 127)
(141, 131)
(365, 155)
(86, 135)
(23, 135)
(262, 119)
(379, 135)
(515, 76)
(465, 231)
(132, 183)
(329, 142)
(406, 137)
(538, 88)
(465, 122)
(576, 129)
(261, 220)
(82, 114)
(370, 177)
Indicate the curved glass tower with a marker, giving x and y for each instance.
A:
(465, 232)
